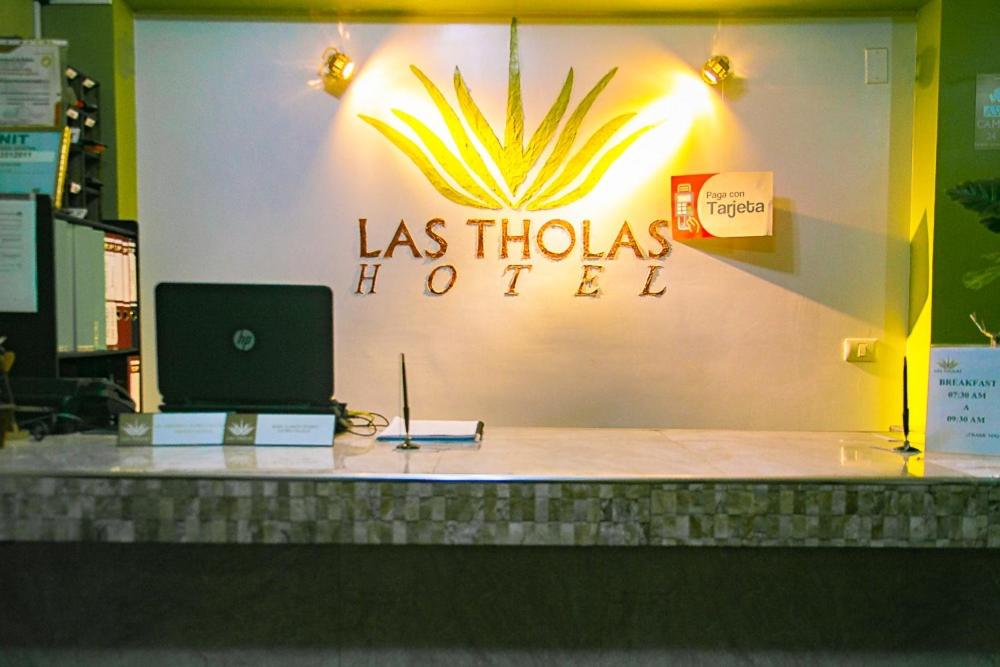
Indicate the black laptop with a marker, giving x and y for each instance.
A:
(245, 348)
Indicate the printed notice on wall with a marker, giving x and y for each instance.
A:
(18, 279)
(30, 161)
(963, 401)
(722, 205)
(988, 112)
(30, 83)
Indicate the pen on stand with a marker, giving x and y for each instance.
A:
(407, 443)
(906, 446)
(906, 405)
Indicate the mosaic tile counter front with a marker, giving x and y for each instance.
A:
(573, 487)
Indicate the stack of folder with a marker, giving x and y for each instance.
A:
(96, 289)
(120, 299)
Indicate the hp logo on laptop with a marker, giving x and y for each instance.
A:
(244, 340)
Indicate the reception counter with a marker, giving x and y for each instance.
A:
(538, 546)
(519, 486)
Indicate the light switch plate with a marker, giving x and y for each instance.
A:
(860, 350)
(877, 65)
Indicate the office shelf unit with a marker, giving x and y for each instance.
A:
(59, 341)
(82, 191)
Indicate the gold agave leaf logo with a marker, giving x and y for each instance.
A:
(475, 184)
(135, 429)
(240, 429)
(948, 364)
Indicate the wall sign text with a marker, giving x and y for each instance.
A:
(963, 401)
(520, 243)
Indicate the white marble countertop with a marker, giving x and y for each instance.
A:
(516, 454)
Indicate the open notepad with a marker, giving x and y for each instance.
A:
(428, 430)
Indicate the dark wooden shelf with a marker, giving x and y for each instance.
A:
(127, 228)
(97, 353)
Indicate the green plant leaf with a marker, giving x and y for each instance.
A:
(992, 224)
(983, 277)
(412, 151)
(444, 157)
(982, 197)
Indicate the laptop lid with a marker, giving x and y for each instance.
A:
(233, 344)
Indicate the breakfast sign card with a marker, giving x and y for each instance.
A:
(963, 401)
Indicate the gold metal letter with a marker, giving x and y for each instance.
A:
(442, 244)
(362, 278)
(539, 238)
(451, 281)
(589, 281)
(479, 238)
(586, 243)
(363, 236)
(620, 240)
(653, 271)
(654, 231)
(512, 285)
(402, 237)
(521, 238)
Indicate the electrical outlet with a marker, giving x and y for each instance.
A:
(860, 349)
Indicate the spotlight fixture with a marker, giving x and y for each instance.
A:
(337, 66)
(716, 70)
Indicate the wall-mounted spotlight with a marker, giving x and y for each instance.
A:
(337, 65)
(335, 71)
(716, 70)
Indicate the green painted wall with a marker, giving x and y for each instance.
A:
(17, 18)
(970, 35)
(87, 29)
(123, 20)
(100, 41)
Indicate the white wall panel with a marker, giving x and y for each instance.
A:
(248, 175)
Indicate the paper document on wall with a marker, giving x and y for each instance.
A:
(18, 255)
(30, 83)
(421, 429)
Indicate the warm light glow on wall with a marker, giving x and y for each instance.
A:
(674, 114)
(386, 80)
(387, 84)
(687, 100)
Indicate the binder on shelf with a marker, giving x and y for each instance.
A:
(119, 334)
(88, 292)
(112, 294)
(65, 285)
(132, 291)
(59, 341)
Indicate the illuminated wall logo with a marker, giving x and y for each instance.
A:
(565, 175)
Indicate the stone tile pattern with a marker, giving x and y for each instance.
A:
(727, 513)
